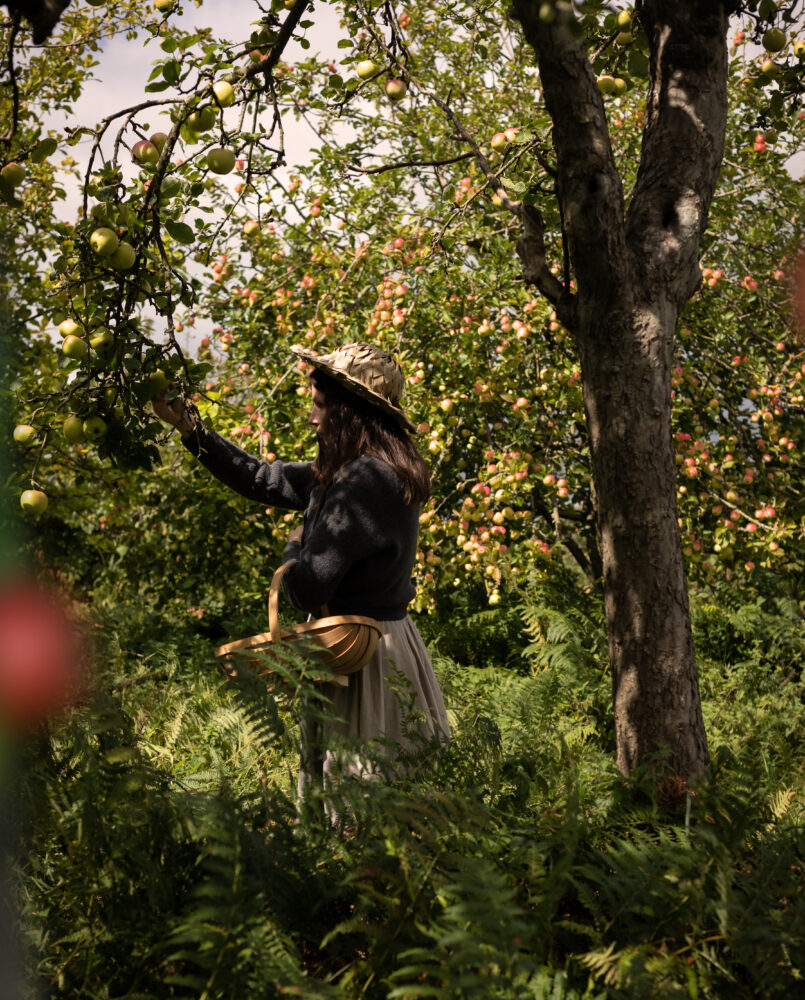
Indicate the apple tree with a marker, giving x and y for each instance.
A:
(564, 416)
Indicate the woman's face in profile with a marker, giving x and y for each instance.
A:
(317, 418)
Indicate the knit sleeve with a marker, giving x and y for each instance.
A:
(276, 484)
(356, 519)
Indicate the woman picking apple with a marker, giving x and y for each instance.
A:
(361, 497)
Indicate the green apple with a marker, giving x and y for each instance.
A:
(123, 258)
(104, 241)
(13, 174)
(366, 68)
(101, 338)
(156, 383)
(625, 20)
(606, 84)
(623, 38)
(499, 142)
(164, 6)
(73, 429)
(23, 433)
(158, 139)
(224, 93)
(74, 347)
(396, 90)
(769, 67)
(620, 86)
(145, 151)
(251, 227)
(221, 161)
(94, 428)
(202, 120)
(799, 48)
(33, 502)
(774, 40)
(69, 328)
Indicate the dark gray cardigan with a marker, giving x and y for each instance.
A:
(359, 543)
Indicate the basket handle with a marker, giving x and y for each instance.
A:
(274, 599)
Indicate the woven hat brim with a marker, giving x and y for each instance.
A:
(343, 378)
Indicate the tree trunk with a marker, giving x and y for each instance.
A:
(626, 384)
(635, 269)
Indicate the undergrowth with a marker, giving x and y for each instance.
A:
(165, 854)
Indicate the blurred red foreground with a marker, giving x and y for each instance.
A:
(41, 654)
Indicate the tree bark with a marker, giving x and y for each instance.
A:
(635, 269)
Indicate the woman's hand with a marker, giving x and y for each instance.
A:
(174, 413)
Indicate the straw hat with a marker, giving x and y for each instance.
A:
(368, 372)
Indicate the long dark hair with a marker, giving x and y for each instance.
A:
(354, 427)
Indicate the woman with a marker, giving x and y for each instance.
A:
(356, 550)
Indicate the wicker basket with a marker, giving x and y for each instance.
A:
(346, 642)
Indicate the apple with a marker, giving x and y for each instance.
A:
(396, 90)
(74, 347)
(164, 6)
(770, 136)
(251, 227)
(96, 3)
(33, 502)
(366, 68)
(104, 241)
(511, 134)
(774, 40)
(768, 67)
(625, 20)
(623, 38)
(499, 142)
(94, 428)
(221, 161)
(202, 120)
(156, 383)
(620, 86)
(799, 48)
(101, 338)
(23, 433)
(69, 328)
(606, 84)
(40, 654)
(73, 429)
(158, 139)
(224, 93)
(123, 258)
(144, 152)
(13, 173)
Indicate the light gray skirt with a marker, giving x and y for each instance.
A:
(393, 703)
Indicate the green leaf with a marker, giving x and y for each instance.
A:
(180, 231)
(154, 88)
(42, 150)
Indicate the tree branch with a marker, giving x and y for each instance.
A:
(683, 141)
(590, 192)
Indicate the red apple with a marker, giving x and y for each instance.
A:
(40, 654)
(396, 90)
(145, 151)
